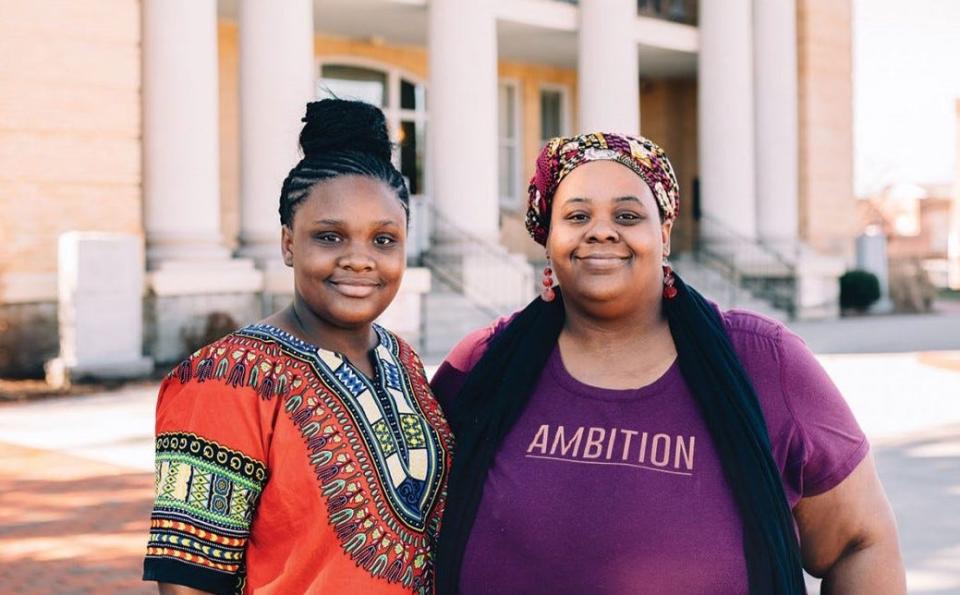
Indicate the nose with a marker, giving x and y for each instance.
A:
(602, 230)
(357, 261)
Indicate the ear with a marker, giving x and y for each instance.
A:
(665, 229)
(286, 245)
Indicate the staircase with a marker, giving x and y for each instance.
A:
(719, 288)
(474, 283)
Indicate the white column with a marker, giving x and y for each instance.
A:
(726, 117)
(463, 113)
(277, 79)
(181, 180)
(608, 67)
(953, 233)
(777, 140)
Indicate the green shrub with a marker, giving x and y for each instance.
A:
(858, 290)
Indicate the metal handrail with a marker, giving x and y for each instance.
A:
(485, 273)
(765, 271)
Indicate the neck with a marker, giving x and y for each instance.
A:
(642, 326)
(352, 341)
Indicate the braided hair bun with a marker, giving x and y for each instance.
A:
(341, 125)
(341, 137)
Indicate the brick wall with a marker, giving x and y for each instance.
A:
(69, 130)
(825, 83)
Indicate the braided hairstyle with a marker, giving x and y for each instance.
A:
(341, 137)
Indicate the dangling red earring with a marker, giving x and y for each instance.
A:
(547, 294)
(669, 291)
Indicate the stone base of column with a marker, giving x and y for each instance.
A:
(60, 373)
(263, 250)
(190, 304)
(182, 277)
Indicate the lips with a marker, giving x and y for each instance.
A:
(355, 287)
(599, 262)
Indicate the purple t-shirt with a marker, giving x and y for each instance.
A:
(621, 491)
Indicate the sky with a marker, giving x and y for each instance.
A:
(906, 69)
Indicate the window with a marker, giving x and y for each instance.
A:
(509, 145)
(553, 113)
(352, 82)
(403, 101)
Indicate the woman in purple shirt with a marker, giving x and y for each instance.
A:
(627, 437)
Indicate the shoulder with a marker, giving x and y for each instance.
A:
(465, 355)
(245, 359)
(759, 340)
(453, 371)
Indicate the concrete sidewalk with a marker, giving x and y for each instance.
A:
(76, 476)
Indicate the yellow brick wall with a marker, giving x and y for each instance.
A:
(69, 125)
(825, 81)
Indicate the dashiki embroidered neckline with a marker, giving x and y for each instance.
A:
(379, 446)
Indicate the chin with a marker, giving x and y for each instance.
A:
(354, 314)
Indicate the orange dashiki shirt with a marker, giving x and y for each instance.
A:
(281, 468)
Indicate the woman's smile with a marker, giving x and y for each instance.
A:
(600, 262)
(354, 287)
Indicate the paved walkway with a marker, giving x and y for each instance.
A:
(76, 473)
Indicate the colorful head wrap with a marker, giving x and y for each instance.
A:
(562, 155)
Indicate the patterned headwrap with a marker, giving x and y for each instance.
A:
(562, 155)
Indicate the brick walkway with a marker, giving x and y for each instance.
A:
(69, 525)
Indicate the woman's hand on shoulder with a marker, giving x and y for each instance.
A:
(848, 536)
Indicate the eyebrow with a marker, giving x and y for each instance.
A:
(627, 198)
(334, 222)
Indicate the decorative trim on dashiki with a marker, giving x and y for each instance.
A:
(379, 449)
(205, 497)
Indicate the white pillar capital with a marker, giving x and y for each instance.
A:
(608, 67)
(277, 79)
(463, 113)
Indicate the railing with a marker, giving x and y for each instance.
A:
(678, 11)
(494, 280)
(765, 270)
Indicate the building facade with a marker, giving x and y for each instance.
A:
(176, 121)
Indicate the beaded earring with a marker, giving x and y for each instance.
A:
(547, 294)
(669, 291)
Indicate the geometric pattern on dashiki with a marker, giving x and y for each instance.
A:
(379, 447)
(205, 496)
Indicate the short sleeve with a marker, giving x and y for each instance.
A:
(830, 442)
(452, 372)
(212, 440)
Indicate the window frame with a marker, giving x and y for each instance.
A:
(566, 122)
(511, 203)
(393, 113)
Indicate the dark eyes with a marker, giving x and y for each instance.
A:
(626, 217)
(329, 237)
